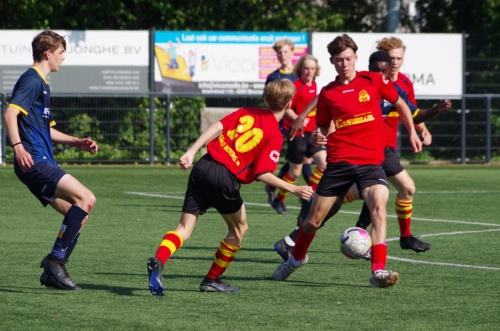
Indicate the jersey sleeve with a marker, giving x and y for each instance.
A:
(387, 89)
(404, 96)
(24, 94)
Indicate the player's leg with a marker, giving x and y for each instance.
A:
(270, 190)
(290, 177)
(227, 251)
(405, 186)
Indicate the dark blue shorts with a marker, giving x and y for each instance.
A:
(391, 164)
(339, 177)
(211, 184)
(42, 179)
(300, 147)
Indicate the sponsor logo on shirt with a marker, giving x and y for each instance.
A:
(362, 118)
(364, 96)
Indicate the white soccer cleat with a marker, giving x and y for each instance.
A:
(285, 269)
(384, 278)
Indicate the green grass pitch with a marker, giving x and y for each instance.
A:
(454, 286)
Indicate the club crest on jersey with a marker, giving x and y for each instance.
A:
(364, 96)
(385, 80)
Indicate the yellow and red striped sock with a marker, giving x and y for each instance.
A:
(170, 243)
(404, 210)
(223, 258)
(281, 196)
(315, 178)
(379, 256)
(349, 197)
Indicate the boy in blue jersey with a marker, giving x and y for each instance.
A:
(28, 121)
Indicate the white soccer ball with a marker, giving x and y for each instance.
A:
(355, 243)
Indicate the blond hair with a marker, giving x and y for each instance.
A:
(386, 44)
(298, 66)
(283, 42)
(278, 94)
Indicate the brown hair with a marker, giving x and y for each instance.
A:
(340, 44)
(386, 44)
(282, 42)
(298, 66)
(47, 40)
(278, 94)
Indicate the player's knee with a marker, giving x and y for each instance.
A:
(90, 201)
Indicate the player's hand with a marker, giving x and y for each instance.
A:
(23, 158)
(317, 138)
(415, 143)
(87, 144)
(443, 105)
(304, 192)
(186, 161)
(296, 126)
(426, 138)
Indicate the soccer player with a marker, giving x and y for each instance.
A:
(29, 124)
(354, 155)
(396, 174)
(245, 148)
(300, 146)
(284, 53)
(379, 61)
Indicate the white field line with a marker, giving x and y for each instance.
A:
(180, 196)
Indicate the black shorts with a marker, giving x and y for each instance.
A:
(42, 179)
(391, 164)
(300, 147)
(339, 177)
(211, 184)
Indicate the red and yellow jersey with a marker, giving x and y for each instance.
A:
(356, 113)
(305, 93)
(249, 144)
(391, 122)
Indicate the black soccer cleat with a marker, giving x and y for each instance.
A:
(413, 243)
(50, 281)
(56, 269)
(283, 249)
(155, 271)
(216, 285)
(279, 206)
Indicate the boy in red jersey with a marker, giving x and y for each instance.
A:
(396, 174)
(300, 147)
(245, 148)
(354, 154)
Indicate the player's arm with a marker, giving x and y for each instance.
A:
(407, 120)
(425, 133)
(85, 144)
(303, 192)
(425, 114)
(213, 131)
(23, 158)
(320, 133)
(298, 123)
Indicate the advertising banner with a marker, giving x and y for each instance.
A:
(229, 63)
(95, 61)
(433, 62)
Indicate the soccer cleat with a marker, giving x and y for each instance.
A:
(368, 255)
(285, 269)
(383, 278)
(270, 193)
(55, 268)
(283, 249)
(216, 285)
(155, 271)
(279, 206)
(50, 281)
(413, 243)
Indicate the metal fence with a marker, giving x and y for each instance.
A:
(129, 132)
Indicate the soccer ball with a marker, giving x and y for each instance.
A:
(355, 243)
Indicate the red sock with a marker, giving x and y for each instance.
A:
(315, 178)
(302, 244)
(171, 242)
(379, 256)
(404, 210)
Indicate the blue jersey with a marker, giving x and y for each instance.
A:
(388, 107)
(31, 96)
(280, 74)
